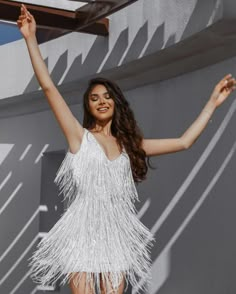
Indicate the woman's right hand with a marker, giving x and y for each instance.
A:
(26, 23)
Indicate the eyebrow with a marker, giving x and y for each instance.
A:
(95, 95)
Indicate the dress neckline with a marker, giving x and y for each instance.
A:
(102, 149)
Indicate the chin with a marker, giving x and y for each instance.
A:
(103, 118)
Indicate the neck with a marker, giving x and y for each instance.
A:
(103, 127)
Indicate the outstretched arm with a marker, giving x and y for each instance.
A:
(71, 128)
(162, 146)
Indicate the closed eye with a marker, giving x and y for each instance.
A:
(96, 98)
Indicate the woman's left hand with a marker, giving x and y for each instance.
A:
(222, 90)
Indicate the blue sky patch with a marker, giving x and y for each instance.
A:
(9, 33)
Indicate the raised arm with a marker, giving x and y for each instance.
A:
(221, 91)
(70, 126)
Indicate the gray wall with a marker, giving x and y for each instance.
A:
(191, 195)
(195, 246)
(187, 201)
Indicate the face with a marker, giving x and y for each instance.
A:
(101, 104)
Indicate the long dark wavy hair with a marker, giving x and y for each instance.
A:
(123, 126)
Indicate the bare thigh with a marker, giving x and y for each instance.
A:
(82, 287)
(106, 287)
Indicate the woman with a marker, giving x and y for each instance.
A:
(99, 243)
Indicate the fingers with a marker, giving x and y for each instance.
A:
(230, 90)
(19, 23)
(21, 17)
(25, 12)
(29, 15)
(224, 81)
(24, 16)
(227, 83)
(23, 8)
(223, 89)
(228, 76)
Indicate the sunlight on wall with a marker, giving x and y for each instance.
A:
(4, 151)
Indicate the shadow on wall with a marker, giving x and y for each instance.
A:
(101, 58)
(19, 192)
(206, 13)
(203, 181)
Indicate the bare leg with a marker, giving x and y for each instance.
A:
(108, 288)
(81, 288)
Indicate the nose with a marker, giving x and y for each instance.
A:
(101, 101)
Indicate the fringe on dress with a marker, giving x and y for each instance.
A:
(99, 237)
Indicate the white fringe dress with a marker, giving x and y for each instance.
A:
(99, 232)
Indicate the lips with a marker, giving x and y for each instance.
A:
(102, 109)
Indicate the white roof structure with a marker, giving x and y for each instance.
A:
(61, 4)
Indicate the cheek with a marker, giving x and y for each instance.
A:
(113, 108)
(91, 107)
(112, 103)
